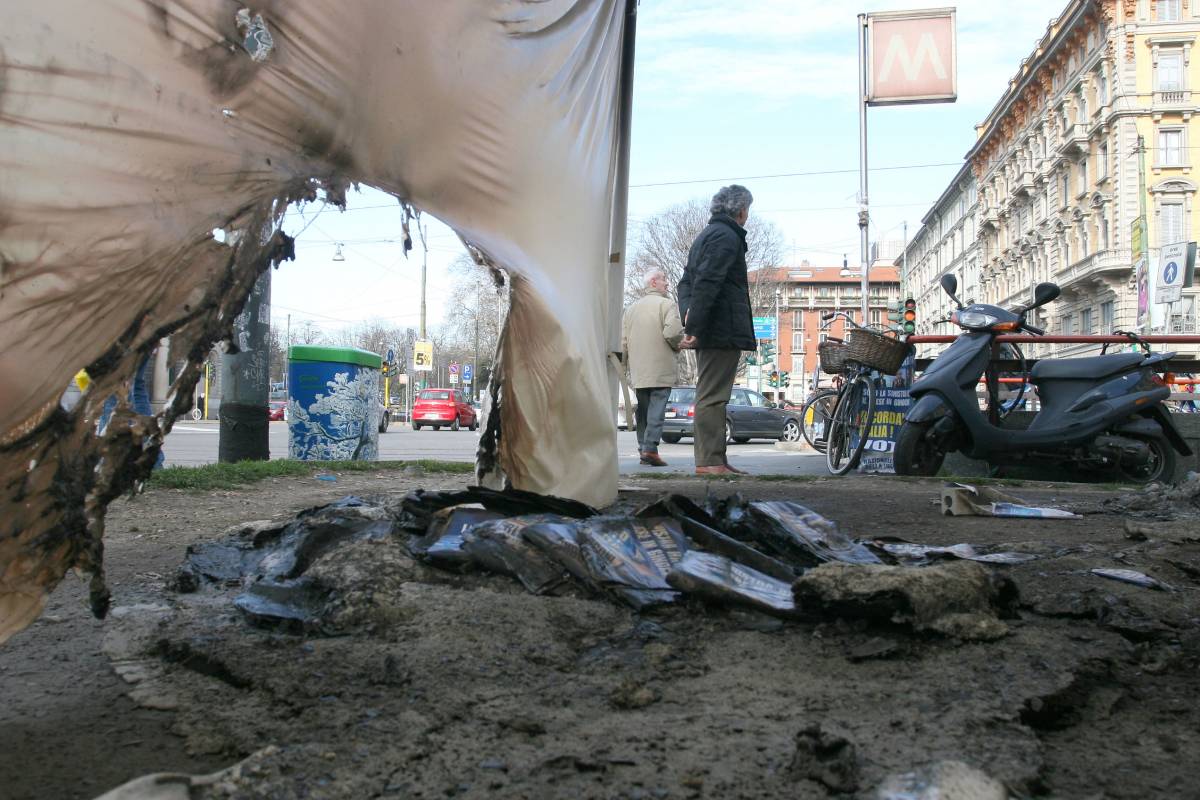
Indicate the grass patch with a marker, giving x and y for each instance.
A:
(685, 476)
(243, 473)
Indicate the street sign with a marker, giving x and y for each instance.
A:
(764, 328)
(453, 367)
(423, 356)
(1141, 271)
(911, 57)
(1168, 278)
(453, 378)
(391, 356)
(468, 373)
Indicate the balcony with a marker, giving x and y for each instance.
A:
(1176, 98)
(1074, 139)
(1111, 264)
(1023, 184)
(989, 217)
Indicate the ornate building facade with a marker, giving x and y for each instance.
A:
(947, 243)
(1101, 107)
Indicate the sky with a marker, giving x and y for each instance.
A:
(720, 96)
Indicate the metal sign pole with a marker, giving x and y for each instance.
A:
(863, 215)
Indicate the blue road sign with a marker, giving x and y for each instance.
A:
(468, 372)
(764, 328)
(391, 356)
(1170, 272)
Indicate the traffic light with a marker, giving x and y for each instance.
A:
(910, 316)
(752, 359)
(784, 379)
(766, 352)
(774, 379)
(895, 312)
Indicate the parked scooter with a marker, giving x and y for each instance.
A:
(1103, 413)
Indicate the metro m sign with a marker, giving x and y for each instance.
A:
(911, 57)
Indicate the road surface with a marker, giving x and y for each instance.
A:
(194, 443)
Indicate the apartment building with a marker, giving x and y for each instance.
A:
(805, 293)
(946, 244)
(1092, 132)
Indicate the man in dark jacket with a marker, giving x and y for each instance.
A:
(714, 301)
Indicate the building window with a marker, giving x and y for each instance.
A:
(1103, 231)
(825, 291)
(1107, 321)
(1068, 325)
(1101, 88)
(1170, 147)
(1169, 75)
(1170, 223)
(1065, 189)
(797, 341)
(1183, 316)
(1083, 175)
(1085, 322)
(1168, 10)
(1102, 165)
(797, 320)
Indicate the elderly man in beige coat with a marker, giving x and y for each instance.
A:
(652, 332)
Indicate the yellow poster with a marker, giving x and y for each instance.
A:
(423, 356)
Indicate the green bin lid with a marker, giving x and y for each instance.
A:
(338, 355)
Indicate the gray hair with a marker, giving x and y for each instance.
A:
(657, 273)
(731, 200)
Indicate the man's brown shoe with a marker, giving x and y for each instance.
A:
(735, 470)
(651, 459)
(716, 469)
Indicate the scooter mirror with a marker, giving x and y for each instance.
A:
(1043, 293)
(949, 284)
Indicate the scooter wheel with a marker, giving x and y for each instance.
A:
(1160, 467)
(914, 453)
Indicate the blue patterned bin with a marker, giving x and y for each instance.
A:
(333, 403)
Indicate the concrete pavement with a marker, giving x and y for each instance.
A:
(194, 443)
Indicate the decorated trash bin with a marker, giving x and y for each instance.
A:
(333, 403)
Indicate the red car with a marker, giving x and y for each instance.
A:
(443, 408)
(277, 410)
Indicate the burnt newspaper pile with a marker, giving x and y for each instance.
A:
(320, 570)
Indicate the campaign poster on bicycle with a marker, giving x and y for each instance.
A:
(890, 407)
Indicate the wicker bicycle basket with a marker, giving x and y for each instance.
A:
(877, 351)
(832, 353)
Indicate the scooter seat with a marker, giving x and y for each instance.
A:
(1083, 368)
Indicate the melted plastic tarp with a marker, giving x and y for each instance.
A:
(134, 128)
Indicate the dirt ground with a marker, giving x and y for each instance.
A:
(477, 689)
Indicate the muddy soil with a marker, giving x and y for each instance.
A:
(476, 689)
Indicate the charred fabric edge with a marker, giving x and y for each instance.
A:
(61, 474)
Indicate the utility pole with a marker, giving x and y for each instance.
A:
(778, 344)
(245, 380)
(287, 354)
(423, 229)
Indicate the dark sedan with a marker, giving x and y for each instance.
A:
(748, 416)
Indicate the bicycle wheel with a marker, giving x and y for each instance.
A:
(850, 425)
(815, 416)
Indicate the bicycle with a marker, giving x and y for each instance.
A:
(868, 352)
(818, 408)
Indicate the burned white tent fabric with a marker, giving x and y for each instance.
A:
(131, 129)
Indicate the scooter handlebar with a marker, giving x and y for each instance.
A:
(1035, 331)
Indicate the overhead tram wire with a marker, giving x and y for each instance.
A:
(805, 174)
(796, 174)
